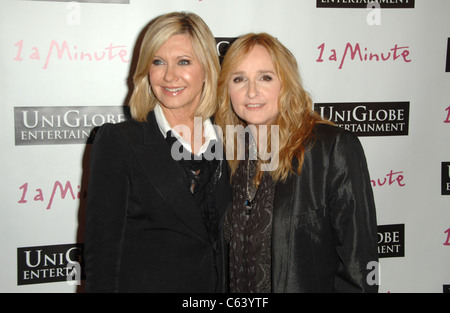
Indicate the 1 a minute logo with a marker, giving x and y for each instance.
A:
(447, 241)
(447, 120)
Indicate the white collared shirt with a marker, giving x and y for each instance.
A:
(164, 127)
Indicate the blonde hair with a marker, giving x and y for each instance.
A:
(203, 42)
(296, 117)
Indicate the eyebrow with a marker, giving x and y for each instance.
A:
(185, 56)
(259, 72)
(178, 57)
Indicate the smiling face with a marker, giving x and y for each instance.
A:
(176, 76)
(254, 88)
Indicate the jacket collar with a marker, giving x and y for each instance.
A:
(164, 127)
(167, 177)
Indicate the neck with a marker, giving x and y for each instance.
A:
(187, 126)
(260, 141)
(178, 117)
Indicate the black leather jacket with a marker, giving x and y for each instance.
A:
(324, 220)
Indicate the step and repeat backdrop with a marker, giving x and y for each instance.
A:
(379, 69)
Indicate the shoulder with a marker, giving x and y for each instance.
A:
(332, 135)
(325, 131)
(128, 130)
(337, 145)
(333, 141)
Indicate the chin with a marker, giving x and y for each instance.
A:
(258, 122)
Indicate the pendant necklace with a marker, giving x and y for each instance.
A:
(249, 201)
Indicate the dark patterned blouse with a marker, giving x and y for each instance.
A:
(249, 231)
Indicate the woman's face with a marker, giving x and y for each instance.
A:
(254, 88)
(176, 75)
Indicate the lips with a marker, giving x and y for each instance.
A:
(254, 105)
(174, 90)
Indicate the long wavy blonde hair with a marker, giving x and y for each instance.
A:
(296, 117)
(203, 42)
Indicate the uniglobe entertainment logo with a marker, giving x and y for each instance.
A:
(47, 264)
(391, 241)
(445, 190)
(358, 4)
(368, 118)
(222, 45)
(51, 125)
(97, 1)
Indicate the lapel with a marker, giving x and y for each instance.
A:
(167, 177)
(282, 232)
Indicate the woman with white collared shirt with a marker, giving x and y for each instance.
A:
(153, 217)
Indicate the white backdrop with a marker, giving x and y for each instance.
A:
(65, 68)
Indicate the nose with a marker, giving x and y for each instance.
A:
(252, 90)
(171, 74)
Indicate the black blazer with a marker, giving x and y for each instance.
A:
(144, 230)
(324, 220)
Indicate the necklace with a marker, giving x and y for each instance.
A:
(249, 201)
(252, 152)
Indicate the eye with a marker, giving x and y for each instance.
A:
(238, 79)
(184, 62)
(267, 78)
(157, 62)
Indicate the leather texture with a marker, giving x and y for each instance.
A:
(324, 224)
